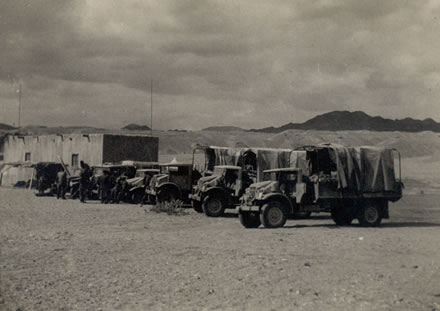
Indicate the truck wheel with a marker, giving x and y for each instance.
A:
(213, 206)
(249, 220)
(138, 196)
(197, 206)
(272, 215)
(341, 216)
(370, 215)
(166, 195)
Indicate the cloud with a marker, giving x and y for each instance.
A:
(245, 63)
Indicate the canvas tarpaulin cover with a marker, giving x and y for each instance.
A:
(364, 169)
(227, 156)
(270, 159)
(298, 159)
(266, 158)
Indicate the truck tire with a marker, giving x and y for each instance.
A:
(273, 215)
(213, 206)
(249, 220)
(137, 196)
(370, 215)
(197, 206)
(166, 195)
(341, 216)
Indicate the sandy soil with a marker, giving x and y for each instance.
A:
(63, 255)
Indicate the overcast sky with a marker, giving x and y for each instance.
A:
(247, 63)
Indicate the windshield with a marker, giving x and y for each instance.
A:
(140, 174)
(219, 171)
(280, 176)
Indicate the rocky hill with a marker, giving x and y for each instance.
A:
(136, 127)
(357, 120)
(223, 129)
(6, 127)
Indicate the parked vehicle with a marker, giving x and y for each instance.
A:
(349, 183)
(139, 182)
(174, 182)
(45, 174)
(222, 190)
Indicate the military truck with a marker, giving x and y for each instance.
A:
(223, 189)
(174, 182)
(139, 182)
(346, 182)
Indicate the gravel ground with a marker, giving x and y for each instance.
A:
(63, 255)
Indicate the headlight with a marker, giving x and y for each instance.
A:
(260, 195)
(204, 188)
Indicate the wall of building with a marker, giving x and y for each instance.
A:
(136, 148)
(48, 148)
(93, 149)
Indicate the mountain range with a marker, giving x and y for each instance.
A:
(357, 120)
(331, 121)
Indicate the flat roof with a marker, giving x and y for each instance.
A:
(285, 169)
(228, 166)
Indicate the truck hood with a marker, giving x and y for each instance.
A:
(261, 185)
(208, 180)
(135, 181)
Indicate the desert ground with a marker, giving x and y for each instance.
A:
(63, 255)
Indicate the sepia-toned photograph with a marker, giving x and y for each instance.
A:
(219, 155)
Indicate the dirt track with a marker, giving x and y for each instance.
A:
(63, 255)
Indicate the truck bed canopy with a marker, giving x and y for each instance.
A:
(259, 158)
(362, 169)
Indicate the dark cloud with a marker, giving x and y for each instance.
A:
(228, 62)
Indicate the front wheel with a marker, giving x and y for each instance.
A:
(273, 215)
(166, 195)
(341, 216)
(197, 206)
(138, 196)
(370, 215)
(249, 220)
(213, 206)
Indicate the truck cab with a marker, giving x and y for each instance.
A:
(221, 190)
(174, 182)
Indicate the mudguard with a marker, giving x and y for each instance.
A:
(172, 186)
(278, 197)
(135, 188)
(218, 191)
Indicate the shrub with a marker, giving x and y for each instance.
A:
(171, 208)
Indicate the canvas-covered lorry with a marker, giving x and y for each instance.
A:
(174, 182)
(348, 182)
(238, 168)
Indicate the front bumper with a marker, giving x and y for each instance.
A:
(150, 191)
(249, 208)
(195, 197)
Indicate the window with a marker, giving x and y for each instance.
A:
(75, 159)
(27, 157)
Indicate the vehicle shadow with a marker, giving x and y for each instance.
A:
(419, 224)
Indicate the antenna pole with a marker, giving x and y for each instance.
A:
(151, 107)
(19, 104)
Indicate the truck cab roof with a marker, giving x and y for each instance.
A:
(286, 169)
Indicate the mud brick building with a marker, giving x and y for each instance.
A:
(94, 149)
